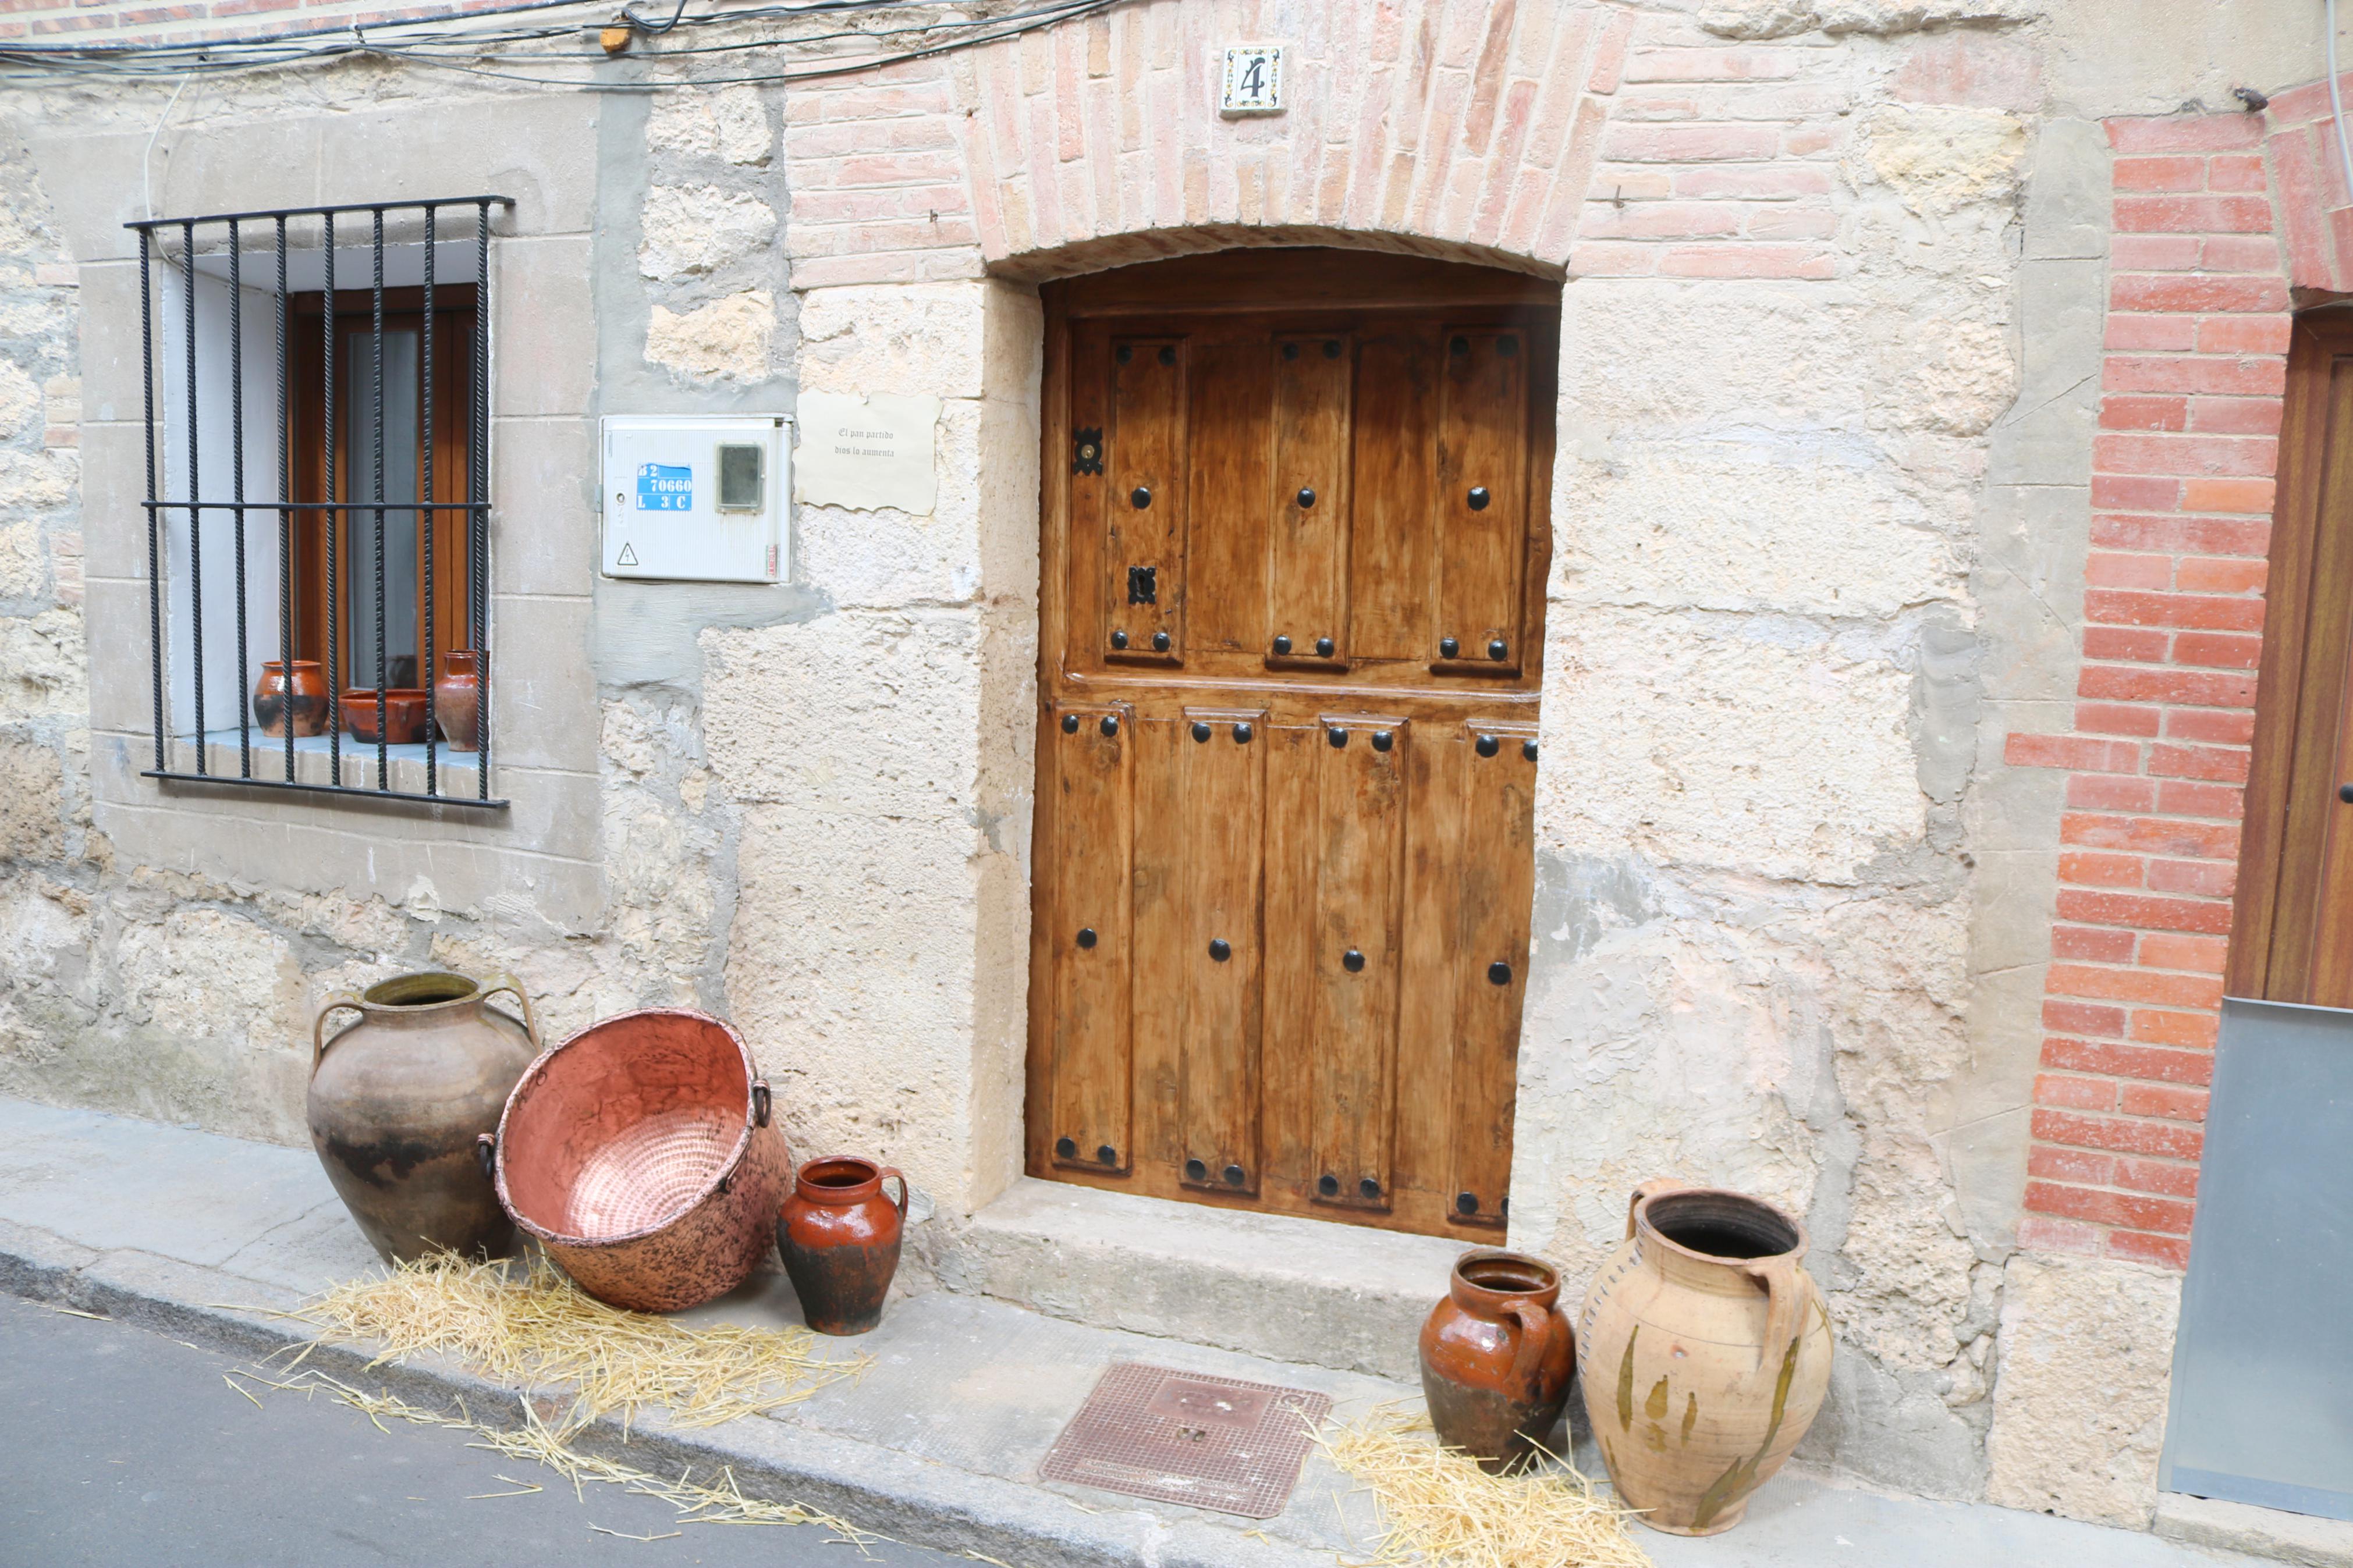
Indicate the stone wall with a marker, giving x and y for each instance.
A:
(1833, 273)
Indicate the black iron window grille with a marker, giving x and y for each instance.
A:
(381, 563)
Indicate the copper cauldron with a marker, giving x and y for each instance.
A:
(640, 1152)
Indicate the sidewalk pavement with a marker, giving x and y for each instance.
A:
(937, 1445)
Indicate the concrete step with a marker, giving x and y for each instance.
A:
(1298, 1290)
(2263, 1532)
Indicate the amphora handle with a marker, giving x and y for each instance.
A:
(503, 981)
(1537, 1325)
(1650, 1189)
(319, 1042)
(1784, 1298)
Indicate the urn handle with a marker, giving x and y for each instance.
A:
(763, 1101)
(1650, 1189)
(1537, 1325)
(486, 1150)
(503, 981)
(887, 1172)
(1785, 1300)
(319, 1041)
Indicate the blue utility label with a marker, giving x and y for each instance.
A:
(663, 488)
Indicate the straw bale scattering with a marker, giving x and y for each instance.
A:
(1439, 1509)
(534, 1329)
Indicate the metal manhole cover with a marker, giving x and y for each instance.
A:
(1178, 1436)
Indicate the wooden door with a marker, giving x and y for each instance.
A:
(2292, 934)
(1295, 540)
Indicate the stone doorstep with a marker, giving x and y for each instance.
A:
(797, 1455)
(1310, 1292)
(2265, 1533)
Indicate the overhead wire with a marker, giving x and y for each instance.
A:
(413, 39)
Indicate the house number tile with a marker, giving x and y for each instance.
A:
(1253, 80)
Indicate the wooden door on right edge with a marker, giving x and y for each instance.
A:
(1295, 553)
(2293, 934)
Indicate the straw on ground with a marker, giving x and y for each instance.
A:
(1437, 1507)
(533, 1328)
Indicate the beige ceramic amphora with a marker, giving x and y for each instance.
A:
(1705, 1353)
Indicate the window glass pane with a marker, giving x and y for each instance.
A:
(400, 528)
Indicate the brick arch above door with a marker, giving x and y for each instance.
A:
(1468, 129)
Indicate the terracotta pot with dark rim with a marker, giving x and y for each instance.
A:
(403, 707)
(839, 1235)
(457, 698)
(1496, 1356)
(308, 701)
(1707, 1352)
(397, 1100)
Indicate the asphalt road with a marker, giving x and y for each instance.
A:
(121, 1446)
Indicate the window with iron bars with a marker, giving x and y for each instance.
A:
(317, 398)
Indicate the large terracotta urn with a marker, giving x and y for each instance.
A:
(398, 1099)
(1496, 1356)
(1706, 1354)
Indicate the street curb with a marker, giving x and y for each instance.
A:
(916, 1501)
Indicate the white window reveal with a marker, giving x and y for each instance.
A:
(696, 499)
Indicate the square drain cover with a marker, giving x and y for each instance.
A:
(1178, 1436)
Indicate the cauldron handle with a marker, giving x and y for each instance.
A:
(486, 1150)
(761, 1100)
(335, 1003)
(503, 981)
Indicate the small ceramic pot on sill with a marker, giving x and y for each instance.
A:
(306, 700)
(458, 697)
(404, 714)
(839, 1235)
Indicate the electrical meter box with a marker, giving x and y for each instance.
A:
(697, 497)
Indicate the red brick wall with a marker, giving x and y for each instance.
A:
(2157, 762)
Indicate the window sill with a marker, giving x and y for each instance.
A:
(457, 778)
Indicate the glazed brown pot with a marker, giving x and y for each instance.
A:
(308, 701)
(457, 698)
(404, 711)
(1496, 1356)
(640, 1152)
(1707, 1350)
(397, 1100)
(839, 1235)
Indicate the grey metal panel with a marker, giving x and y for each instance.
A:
(2262, 1369)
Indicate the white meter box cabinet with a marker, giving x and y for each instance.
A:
(696, 498)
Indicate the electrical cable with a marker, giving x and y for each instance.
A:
(2336, 103)
(125, 61)
(214, 46)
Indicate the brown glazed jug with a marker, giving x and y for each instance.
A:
(1497, 1357)
(1707, 1350)
(839, 1234)
(397, 1100)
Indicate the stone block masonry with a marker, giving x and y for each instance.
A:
(2156, 757)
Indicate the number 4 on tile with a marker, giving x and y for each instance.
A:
(1253, 80)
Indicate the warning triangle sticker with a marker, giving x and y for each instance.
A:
(628, 555)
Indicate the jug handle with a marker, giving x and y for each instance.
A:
(1784, 1298)
(319, 1041)
(889, 1171)
(1536, 1334)
(1650, 1189)
(503, 981)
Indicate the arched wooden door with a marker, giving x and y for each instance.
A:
(1295, 537)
